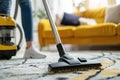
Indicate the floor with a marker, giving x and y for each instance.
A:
(37, 69)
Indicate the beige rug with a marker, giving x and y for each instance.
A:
(37, 69)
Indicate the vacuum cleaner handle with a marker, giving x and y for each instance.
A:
(54, 29)
(53, 26)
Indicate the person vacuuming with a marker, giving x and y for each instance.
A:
(27, 23)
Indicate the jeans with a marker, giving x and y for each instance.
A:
(26, 15)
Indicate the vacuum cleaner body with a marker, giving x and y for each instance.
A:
(8, 45)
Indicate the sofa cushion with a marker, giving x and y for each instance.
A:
(113, 14)
(70, 19)
(98, 14)
(63, 32)
(105, 29)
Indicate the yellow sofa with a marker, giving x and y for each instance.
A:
(99, 34)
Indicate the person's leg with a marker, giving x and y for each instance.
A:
(27, 23)
(5, 6)
(27, 20)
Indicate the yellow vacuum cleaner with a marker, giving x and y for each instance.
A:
(8, 43)
(8, 47)
(66, 63)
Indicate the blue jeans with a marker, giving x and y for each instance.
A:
(26, 15)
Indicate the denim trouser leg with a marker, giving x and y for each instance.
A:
(27, 18)
(5, 6)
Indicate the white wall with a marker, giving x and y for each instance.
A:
(97, 3)
(118, 1)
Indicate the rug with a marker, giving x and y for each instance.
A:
(37, 69)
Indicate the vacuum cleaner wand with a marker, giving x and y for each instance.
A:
(54, 29)
(66, 63)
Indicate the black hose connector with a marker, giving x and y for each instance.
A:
(60, 49)
(18, 47)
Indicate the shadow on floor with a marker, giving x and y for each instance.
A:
(99, 47)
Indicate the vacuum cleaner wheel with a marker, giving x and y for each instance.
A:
(6, 55)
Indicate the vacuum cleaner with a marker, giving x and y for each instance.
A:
(8, 44)
(67, 63)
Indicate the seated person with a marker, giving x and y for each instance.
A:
(71, 19)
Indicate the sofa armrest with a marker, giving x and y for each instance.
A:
(45, 32)
(42, 26)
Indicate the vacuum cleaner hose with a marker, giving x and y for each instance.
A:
(16, 10)
(18, 26)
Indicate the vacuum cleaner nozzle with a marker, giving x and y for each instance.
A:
(69, 64)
